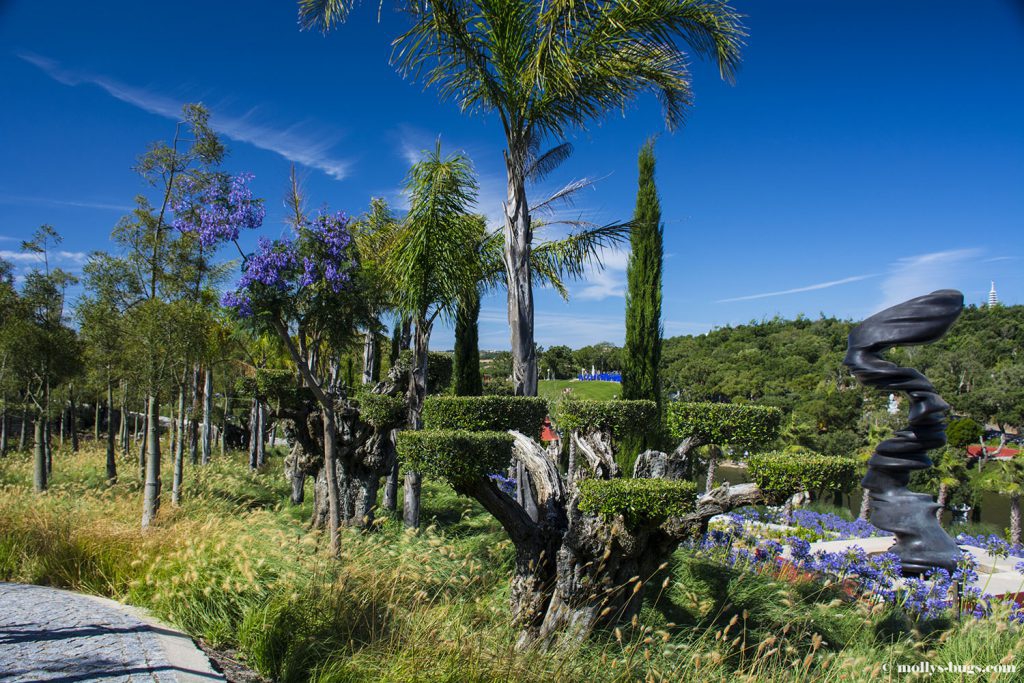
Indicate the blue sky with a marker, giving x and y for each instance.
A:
(869, 151)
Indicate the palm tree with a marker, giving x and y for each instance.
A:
(1005, 477)
(546, 68)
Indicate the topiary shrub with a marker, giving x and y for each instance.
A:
(639, 501)
(618, 417)
(743, 426)
(780, 475)
(382, 411)
(486, 413)
(498, 386)
(458, 456)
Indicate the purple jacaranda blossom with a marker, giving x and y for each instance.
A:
(219, 212)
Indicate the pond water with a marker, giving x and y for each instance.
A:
(995, 509)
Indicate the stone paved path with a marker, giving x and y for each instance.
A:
(54, 635)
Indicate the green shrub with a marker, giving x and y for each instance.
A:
(619, 417)
(780, 475)
(963, 432)
(498, 386)
(742, 426)
(639, 501)
(439, 369)
(456, 455)
(382, 411)
(486, 413)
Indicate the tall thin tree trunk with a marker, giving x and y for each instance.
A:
(941, 500)
(3, 431)
(48, 447)
(63, 425)
(518, 238)
(193, 421)
(111, 450)
(865, 504)
(224, 426)
(331, 474)
(73, 423)
(143, 440)
(390, 502)
(207, 415)
(151, 491)
(172, 433)
(96, 421)
(261, 435)
(24, 431)
(253, 436)
(417, 396)
(40, 470)
(370, 357)
(179, 451)
(1015, 519)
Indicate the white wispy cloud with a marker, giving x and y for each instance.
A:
(797, 290)
(297, 143)
(46, 201)
(607, 280)
(75, 258)
(916, 275)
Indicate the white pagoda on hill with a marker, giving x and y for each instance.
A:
(993, 300)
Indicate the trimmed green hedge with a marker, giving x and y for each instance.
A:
(780, 475)
(382, 411)
(485, 413)
(639, 501)
(739, 425)
(455, 455)
(618, 417)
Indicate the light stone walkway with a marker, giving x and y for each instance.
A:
(48, 634)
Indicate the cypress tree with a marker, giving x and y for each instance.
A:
(640, 377)
(466, 364)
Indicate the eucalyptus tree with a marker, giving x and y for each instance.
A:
(11, 320)
(545, 69)
(151, 262)
(50, 350)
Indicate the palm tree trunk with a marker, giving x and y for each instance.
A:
(151, 489)
(207, 415)
(111, 449)
(179, 450)
(518, 238)
(39, 470)
(942, 498)
(417, 396)
(1015, 519)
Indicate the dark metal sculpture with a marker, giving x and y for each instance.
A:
(921, 543)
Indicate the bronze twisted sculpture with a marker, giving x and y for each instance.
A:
(921, 543)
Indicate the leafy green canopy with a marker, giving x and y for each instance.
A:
(486, 413)
(724, 424)
(381, 411)
(618, 417)
(639, 501)
(460, 457)
(780, 475)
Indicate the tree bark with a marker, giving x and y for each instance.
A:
(24, 431)
(111, 450)
(331, 474)
(417, 395)
(179, 450)
(73, 423)
(193, 422)
(941, 500)
(96, 421)
(143, 440)
(1015, 519)
(371, 358)
(207, 415)
(3, 431)
(518, 238)
(709, 482)
(151, 490)
(39, 469)
(391, 489)
(865, 505)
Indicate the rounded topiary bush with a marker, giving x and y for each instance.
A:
(618, 417)
(780, 475)
(741, 425)
(439, 369)
(381, 411)
(458, 456)
(486, 413)
(639, 501)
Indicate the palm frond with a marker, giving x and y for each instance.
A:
(323, 15)
(540, 166)
(570, 257)
(564, 195)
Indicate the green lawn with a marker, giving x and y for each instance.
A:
(552, 389)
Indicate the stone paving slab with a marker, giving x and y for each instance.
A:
(47, 634)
